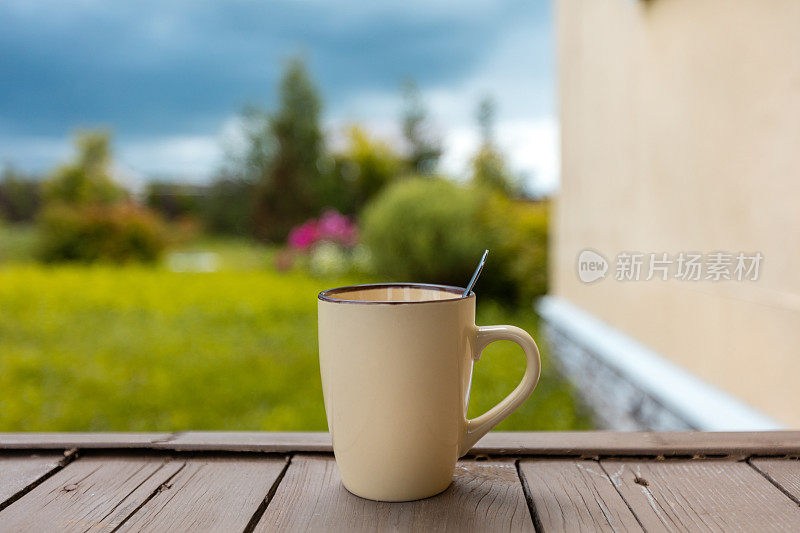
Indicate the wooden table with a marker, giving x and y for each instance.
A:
(200, 481)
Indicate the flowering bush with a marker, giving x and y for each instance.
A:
(332, 227)
(325, 246)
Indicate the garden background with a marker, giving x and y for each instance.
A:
(194, 307)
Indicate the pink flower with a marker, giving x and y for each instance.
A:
(332, 226)
(304, 236)
(335, 227)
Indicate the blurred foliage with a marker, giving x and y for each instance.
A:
(489, 171)
(232, 253)
(18, 243)
(227, 208)
(518, 268)
(434, 231)
(175, 200)
(362, 170)
(88, 179)
(426, 230)
(117, 233)
(424, 148)
(101, 348)
(20, 196)
(489, 168)
(86, 217)
(283, 157)
(128, 345)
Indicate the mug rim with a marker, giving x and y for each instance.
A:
(327, 295)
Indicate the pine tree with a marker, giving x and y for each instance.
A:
(283, 155)
(424, 149)
(488, 165)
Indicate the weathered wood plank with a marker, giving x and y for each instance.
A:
(250, 441)
(17, 472)
(95, 493)
(65, 441)
(639, 443)
(577, 443)
(575, 495)
(485, 496)
(690, 495)
(783, 472)
(216, 494)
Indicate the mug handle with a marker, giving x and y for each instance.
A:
(478, 427)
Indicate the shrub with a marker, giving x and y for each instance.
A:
(519, 263)
(117, 233)
(434, 231)
(427, 230)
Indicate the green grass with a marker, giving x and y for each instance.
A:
(17, 242)
(142, 348)
(234, 253)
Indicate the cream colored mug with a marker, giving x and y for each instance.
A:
(396, 365)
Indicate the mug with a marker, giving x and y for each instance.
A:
(396, 365)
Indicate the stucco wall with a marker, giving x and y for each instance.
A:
(680, 126)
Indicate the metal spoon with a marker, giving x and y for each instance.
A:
(475, 275)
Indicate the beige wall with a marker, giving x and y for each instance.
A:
(680, 124)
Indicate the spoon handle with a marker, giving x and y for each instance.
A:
(476, 274)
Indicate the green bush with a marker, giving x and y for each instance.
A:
(519, 263)
(426, 230)
(434, 231)
(116, 233)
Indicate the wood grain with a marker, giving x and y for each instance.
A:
(588, 443)
(250, 441)
(485, 496)
(215, 494)
(94, 492)
(691, 495)
(65, 441)
(783, 472)
(17, 472)
(639, 443)
(576, 443)
(561, 443)
(575, 495)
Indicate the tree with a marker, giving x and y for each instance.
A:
(86, 181)
(424, 149)
(228, 206)
(366, 167)
(20, 196)
(488, 165)
(283, 155)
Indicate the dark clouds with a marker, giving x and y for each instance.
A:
(153, 68)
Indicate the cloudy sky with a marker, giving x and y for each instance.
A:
(170, 76)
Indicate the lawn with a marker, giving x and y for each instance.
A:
(106, 348)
